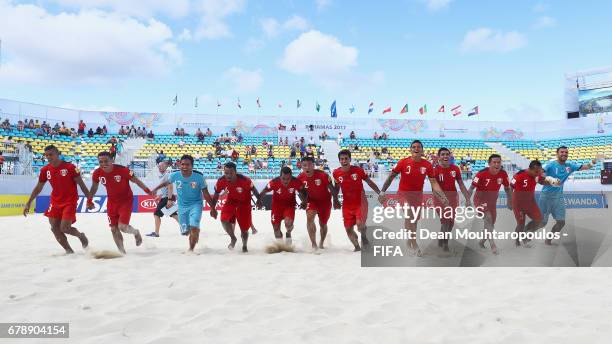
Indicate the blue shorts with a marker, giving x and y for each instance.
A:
(189, 217)
(552, 205)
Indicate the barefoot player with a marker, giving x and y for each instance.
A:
(237, 206)
(63, 177)
(191, 189)
(354, 205)
(523, 198)
(487, 183)
(116, 179)
(319, 191)
(551, 199)
(284, 189)
(413, 171)
(448, 176)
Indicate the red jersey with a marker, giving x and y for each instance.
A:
(413, 173)
(524, 185)
(351, 185)
(448, 177)
(489, 184)
(284, 195)
(317, 186)
(62, 182)
(117, 183)
(237, 192)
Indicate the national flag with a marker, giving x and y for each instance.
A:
(195, 103)
(404, 109)
(298, 104)
(334, 114)
(456, 110)
(175, 100)
(423, 109)
(318, 107)
(474, 111)
(258, 103)
(238, 103)
(386, 110)
(352, 109)
(371, 108)
(442, 109)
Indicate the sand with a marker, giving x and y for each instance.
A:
(158, 294)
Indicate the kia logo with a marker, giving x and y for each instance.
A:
(148, 204)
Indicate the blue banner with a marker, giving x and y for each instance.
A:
(100, 203)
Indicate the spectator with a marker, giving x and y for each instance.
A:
(452, 158)
(384, 136)
(293, 128)
(208, 132)
(104, 130)
(240, 138)
(181, 143)
(281, 127)
(339, 139)
(112, 140)
(280, 141)
(113, 151)
(286, 141)
(177, 132)
(98, 131)
(251, 167)
(36, 124)
(209, 155)
(376, 137)
(198, 132)
(56, 127)
(182, 132)
(31, 124)
(352, 135)
(20, 125)
(270, 152)
(160, 156)
(1, 161)
(82, 127)
(40, 132)
(150, 135)
(235, 155)
(311, 141)
(90, 133)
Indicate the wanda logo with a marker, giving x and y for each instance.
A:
(148, 204)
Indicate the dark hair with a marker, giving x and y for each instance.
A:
(230, 165)
(286, 170)
(535, 163)
(187, 157)
(52, 147)
(104, 153)
(308, 158)
(416, 141)
(344, 152)
(560, 148)
(443, 149)
(493, 156)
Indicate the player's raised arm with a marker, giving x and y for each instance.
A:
(37, 189)
(334, 191)
(257, 195)
(437, 190)
(372, 185)
(81, 185)
(140, 184)
(588, 166)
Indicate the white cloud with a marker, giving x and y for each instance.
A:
(544, 22)
(214, 12)
(322, 4)
(435, 5)
(89, 46)
(136, 8)
(253, 45)
(540, 7)
(185, 35)
(487, 40)
(326, 60)
(272, 27)
(244, 81)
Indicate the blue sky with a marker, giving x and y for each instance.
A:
(507, 57)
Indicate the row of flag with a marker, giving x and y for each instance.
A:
(455, 110)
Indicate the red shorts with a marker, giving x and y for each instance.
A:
(323, 209)
(236, 212)
(453, 203)
(280, 213)
(62, 211)
(355, 215)
(413, 199)
(489, 207)
(523, 209)
(119, 212)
